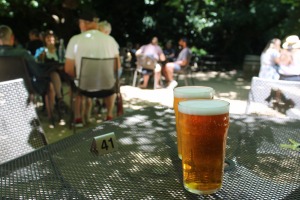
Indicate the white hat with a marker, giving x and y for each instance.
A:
(291, 42)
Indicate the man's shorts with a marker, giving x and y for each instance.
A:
(98, 94)
(177, 67)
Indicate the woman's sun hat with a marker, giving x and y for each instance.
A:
(291, 42)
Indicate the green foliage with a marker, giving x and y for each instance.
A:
(231, 27)
(295, 3)
(198, 52)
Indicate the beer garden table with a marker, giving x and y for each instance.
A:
(146, 165)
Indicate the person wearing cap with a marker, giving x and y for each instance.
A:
(90, 43)
(289, 62)
(269, 60)
(181, 62)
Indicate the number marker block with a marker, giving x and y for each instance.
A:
(104, 144)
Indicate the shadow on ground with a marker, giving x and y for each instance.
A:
(228, 85)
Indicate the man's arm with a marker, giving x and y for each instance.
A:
(162, 57)
(139, 51)
(70, 67)
(118, 62)
(184, 58)
(182, 62)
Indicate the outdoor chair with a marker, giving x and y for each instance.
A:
(187, 73)
(144, 62)
(14, 67)
(20, 129)
(98, 74)
(128, 60)
(274, 97)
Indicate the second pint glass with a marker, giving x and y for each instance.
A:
(188, 93)
(204, 125)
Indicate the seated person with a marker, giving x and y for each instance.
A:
(40, 82)
(105, 27)
(34, 41)
(51, 59)
(289, 60)
(269, 59)
(169, 52)
(154, 51)
(182, 61)
(96, 45)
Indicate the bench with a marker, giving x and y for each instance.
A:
(214, 62)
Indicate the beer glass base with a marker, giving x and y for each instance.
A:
(200, 191)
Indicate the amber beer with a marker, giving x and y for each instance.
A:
(203, 127)
(187, 93)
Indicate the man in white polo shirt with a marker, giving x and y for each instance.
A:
(95, 44)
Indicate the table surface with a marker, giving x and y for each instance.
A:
(146, 165)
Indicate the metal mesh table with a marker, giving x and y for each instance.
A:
(146, 166)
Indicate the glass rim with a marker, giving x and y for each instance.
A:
(204, 107)
(194, 92)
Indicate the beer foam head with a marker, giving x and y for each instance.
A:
(204, 107)
(194, 92)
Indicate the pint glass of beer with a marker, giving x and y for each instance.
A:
(188, 93)
(203, 126)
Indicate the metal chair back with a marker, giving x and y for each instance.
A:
(14, 67)
(144, 62)
(276, 97)
(97, 74)
(20, 129)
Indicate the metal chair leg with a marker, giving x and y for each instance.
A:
(134, 78)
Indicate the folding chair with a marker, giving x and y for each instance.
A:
(144, 62)
(20, 129)
(274, 97)
(97, 74)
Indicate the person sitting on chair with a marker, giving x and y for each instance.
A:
(34, 41)
(38, 73)
(104, 27)
(48, 54)
(289, 60)
(154, 51)
(94, 44)
(269, 60)
(182, 61)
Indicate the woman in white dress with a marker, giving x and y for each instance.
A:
(269, 60)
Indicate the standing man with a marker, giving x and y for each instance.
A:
(94, 44)
(181, 62)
